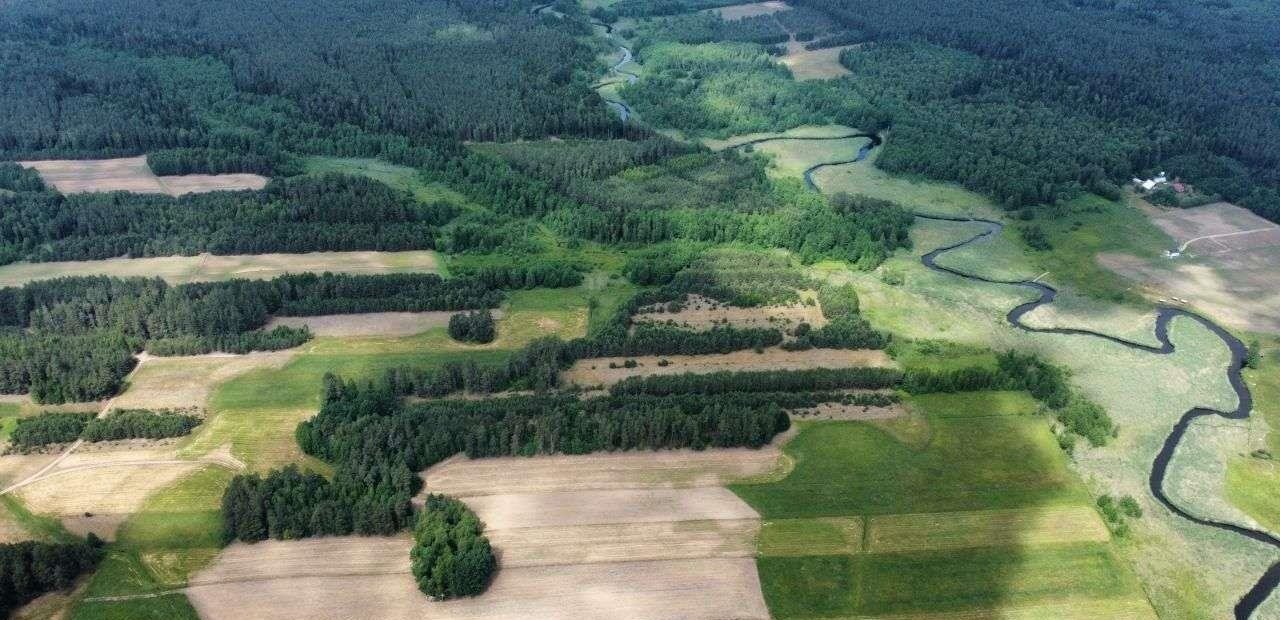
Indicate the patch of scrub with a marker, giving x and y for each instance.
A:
(605, 371)
(369, 324)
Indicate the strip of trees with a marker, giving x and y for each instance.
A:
(52, 427)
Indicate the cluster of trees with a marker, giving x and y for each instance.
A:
(805, 23)
(140, 424)
(73, 339)
(378, 443)
(451, 557)
(846, 329)
(708, 27)
(49, 427)
(30, 569)
(815, 379)
(646, 8)
(520, 272)
(476, 326)
(15, 178)
(331, 212)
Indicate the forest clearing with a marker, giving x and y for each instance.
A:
(133, 175)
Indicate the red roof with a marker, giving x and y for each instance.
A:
(1178, 187)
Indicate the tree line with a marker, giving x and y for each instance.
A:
(53, 427)
(73, 339)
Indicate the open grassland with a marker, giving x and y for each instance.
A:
(792, 157)
(916, 194)
(210, 268)
(188, 381)
(975, 516)
(739, 11)
(596, 371)
(1252, 479)
(71, 176)
(1145, 394)
(819, 64)
(400, 177)
(803, 131)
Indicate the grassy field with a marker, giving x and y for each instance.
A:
(1252, 479)
(846, 532)
(400, 177)
(210, 268)
(918, 194)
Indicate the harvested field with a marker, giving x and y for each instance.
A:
(370, 324)
(739, 11)
(630, 542)
(701, 313)
(625, 470)
(178, 382)
(1234, 277)
(596, 371)
(342, 556)
(819, 64)
(210, 268)
(711, 589)
(986, 528)
(572, 508)
(131, 174)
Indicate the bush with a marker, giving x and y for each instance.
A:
(451, 556)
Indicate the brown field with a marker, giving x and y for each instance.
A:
(821, 64)
(343, 556)
(131, 174)
(702, 314)
(1236, 278)
(630, 542)
(596, 372)
(572, 508)
(178, 382)
(711, 589)
(963, 530)
(739, 11)
(624, 470)
(370, 324)
(210, 268)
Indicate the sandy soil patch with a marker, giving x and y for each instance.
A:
(179, 382)
(131, 174)
(987, 528)
(541, 510)
(739, 11)
(684, 589)
(626, 470)
(819, 64)
(632, 542)
(701, 313)
(596, 372)
(210, 268)
(370, 324)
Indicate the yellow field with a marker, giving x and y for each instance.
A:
(131, 174)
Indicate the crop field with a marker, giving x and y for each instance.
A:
(211, 268)
(979, 516)
(596, 371)
(598, 536)
(131, 174)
